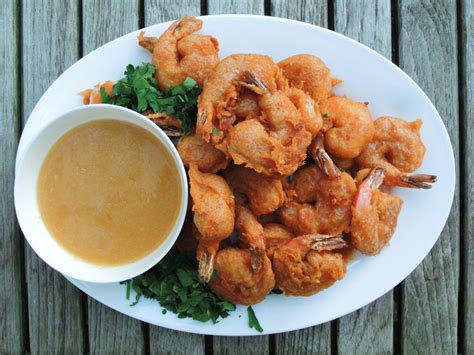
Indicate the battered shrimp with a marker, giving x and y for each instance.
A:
(216, 104)
(351, 128)
(194, 150)
(397, 147)
(213, 204)
(179, 53)
(309, 73)
(276, 147)
(374, 215)
(321, 205)
(251, 234)
(265, 194)
(275, 235)
(306, 264)
(236, 281)
(309, 110)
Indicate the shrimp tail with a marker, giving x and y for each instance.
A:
(252, 82)
(418, 181)
(206, 266)
(375, 178)
(322, 158)
(327, 242)
(256, 258)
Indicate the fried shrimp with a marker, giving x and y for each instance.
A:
(276, 143)
(321, 205)
(213, 204)
(275, 235)
(351, 127)
(374, 215)
(194, 150)
(309, 110)
(397, 147)
(306, 264)
(236, 281)
(251, 234)
(216, 104)
(265, 194)
(309, 73)
(179, 53)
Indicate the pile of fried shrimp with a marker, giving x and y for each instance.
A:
(285, 176)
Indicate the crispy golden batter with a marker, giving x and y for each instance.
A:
(216, 105)
(194, 150)
(397, 147)
(179, 53)
(213, 204)
(265, 194)
(309, 73)
(374, 215)
(275, 235)
(304, 266)
(321, 205)
(351, 127)
(236, 281)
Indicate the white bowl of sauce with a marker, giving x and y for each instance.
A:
(101, 193)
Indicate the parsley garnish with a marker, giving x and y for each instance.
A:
(325, 115)
(138, 90)
(253, 321)
(175, 284)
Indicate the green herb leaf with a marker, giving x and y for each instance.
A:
(175, 284)
(215, 131)
(253, 321)
(325, 115)
(138, 90)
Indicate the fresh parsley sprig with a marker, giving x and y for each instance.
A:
(175, 284)
(138, 90)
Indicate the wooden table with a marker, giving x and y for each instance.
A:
(432, 311)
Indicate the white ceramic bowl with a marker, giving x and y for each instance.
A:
(26, 203)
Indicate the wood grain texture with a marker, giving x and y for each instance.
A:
(113, 332)
(370, 329)
(103, 21)
(162, 340)
(255, 7)
(310, 11)
(109, 330)
(157, 11)
(239, 345)
(467, 134)
(428, 53)
(50, 45)
(315, 339)
(11, 307)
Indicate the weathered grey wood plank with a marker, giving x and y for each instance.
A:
(370, 329)
(467, 132)
(166, 341)
(11, 307)
(50, 45)
(103, 21)
(428, 53)
(311, 11)
(316, 339)
(113, 332)
(255, 7)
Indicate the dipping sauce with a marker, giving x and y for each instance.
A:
(109, 192)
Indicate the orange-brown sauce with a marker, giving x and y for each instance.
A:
(109, 192)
